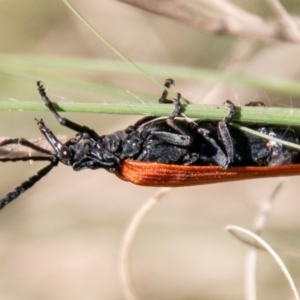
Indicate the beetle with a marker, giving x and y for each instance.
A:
(171, 151)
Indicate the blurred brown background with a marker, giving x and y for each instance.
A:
(61, 239)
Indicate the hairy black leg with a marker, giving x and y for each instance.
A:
(183, 138)
(176, 113)
(225, 134)
(221, 158)
(63, 121)
(26, 185)
(216, 153)
(163, 98)
(171, 121)
(224, 131)
(25, 143)
(177, 105)
(231, 111)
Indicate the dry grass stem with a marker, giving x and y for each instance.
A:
(17, 150)
(287, 21)
(251, 256)
(229, 24)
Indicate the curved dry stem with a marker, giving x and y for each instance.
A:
(236, 230)
(130, 233)
(250, 274)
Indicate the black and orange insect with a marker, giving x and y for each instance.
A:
(170, 151)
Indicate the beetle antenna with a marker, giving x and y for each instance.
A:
(26, 185)
(26, 158)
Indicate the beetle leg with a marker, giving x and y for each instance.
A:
(63, 121)
(221, 158)
(171, 120)
(176, 101)
(177, 109)
(176, 113)
(216, 154)
(163, 98)
(225, 134)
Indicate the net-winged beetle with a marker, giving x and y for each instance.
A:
(169, 151)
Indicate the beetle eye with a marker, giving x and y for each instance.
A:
(65, 154)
